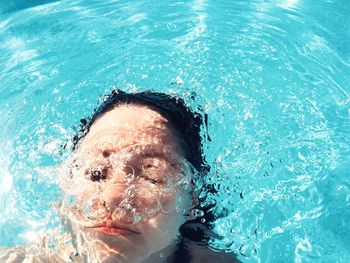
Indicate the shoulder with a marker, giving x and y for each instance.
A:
(190, 252)
(12, 255)
(203, 254)
(42, 251)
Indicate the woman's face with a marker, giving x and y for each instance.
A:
(129, 185)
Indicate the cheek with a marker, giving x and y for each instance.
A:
(169, 201)
(163, 229)
(77, 196)
(147, 196)
(162, 199)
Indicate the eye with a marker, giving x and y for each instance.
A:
(153, 170)
(97, 175)
(151, 165)
(150, 180)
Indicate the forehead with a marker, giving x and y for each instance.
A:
(128, 125)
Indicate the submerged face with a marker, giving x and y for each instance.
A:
(129, 185)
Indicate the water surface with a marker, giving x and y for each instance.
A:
(271, 75)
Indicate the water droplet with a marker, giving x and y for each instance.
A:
(203, 220)
(258, 233)
(171, 26)
(52, 244)
(161, 255)
(70, 201)
(247, 250)
(53, 73)
(34, 250)
(137, 218)
(179, 81)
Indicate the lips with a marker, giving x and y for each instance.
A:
(113, 230)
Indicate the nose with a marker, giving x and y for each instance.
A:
(113, 195)
(118, 198)
(116, 186)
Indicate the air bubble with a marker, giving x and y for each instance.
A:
(197, 212)
(247, 250)
(137, 218)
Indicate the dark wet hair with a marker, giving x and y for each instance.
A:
(186, 122)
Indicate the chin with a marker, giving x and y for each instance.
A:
(106, 245)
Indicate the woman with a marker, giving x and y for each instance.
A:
(133, 178)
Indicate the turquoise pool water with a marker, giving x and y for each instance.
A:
(273, 77)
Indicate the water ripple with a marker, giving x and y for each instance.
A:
(272, 75)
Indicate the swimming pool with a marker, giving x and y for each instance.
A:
(272, 75)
